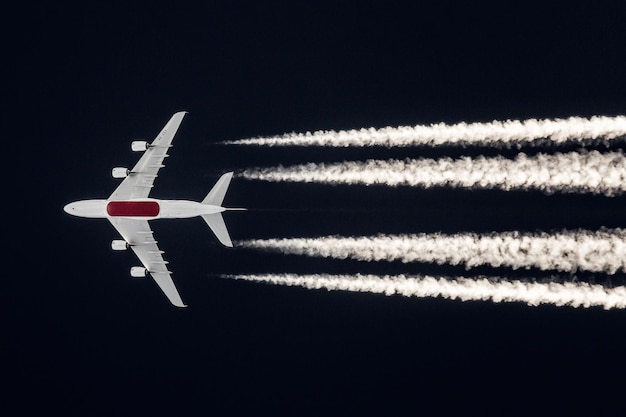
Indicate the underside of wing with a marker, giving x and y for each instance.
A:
(141, 178)
(164, 281)
(139, 236)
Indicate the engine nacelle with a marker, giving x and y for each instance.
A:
(120, 172)
(138, 272)
(119, 245)
(139, 145)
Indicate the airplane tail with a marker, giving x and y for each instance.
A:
(217, 225)
(217, 193)
(215, 198)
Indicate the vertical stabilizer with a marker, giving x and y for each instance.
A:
(217, 193)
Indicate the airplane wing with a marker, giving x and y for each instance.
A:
(139, 181)
(139, 236)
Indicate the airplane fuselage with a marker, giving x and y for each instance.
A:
(140, 209)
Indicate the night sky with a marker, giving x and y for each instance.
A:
(82, 82)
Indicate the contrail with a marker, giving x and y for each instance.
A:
(465, 289)
(502, 134)
(590, 172)
(567, 251)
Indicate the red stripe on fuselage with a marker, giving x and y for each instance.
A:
(133, 208)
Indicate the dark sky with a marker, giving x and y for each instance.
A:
(81, 82)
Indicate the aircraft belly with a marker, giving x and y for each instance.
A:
(180, 209)
(144, 209)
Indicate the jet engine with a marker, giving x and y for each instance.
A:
(138, 272)
(119, 245)
(120, 172)
(139, 145)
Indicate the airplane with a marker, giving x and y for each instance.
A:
(129, 209)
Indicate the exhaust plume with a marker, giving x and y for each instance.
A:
(567, 251)
(502, 134)
(582, 172)
(465, 289)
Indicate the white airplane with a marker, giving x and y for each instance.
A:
(129, 209)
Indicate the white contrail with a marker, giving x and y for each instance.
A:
(567, 251)
(592, 172)
(532, 293)
(502, 134)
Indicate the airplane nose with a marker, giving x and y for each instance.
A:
(68, 208)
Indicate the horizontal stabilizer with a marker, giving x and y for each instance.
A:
(217, 193)
(217, 225)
